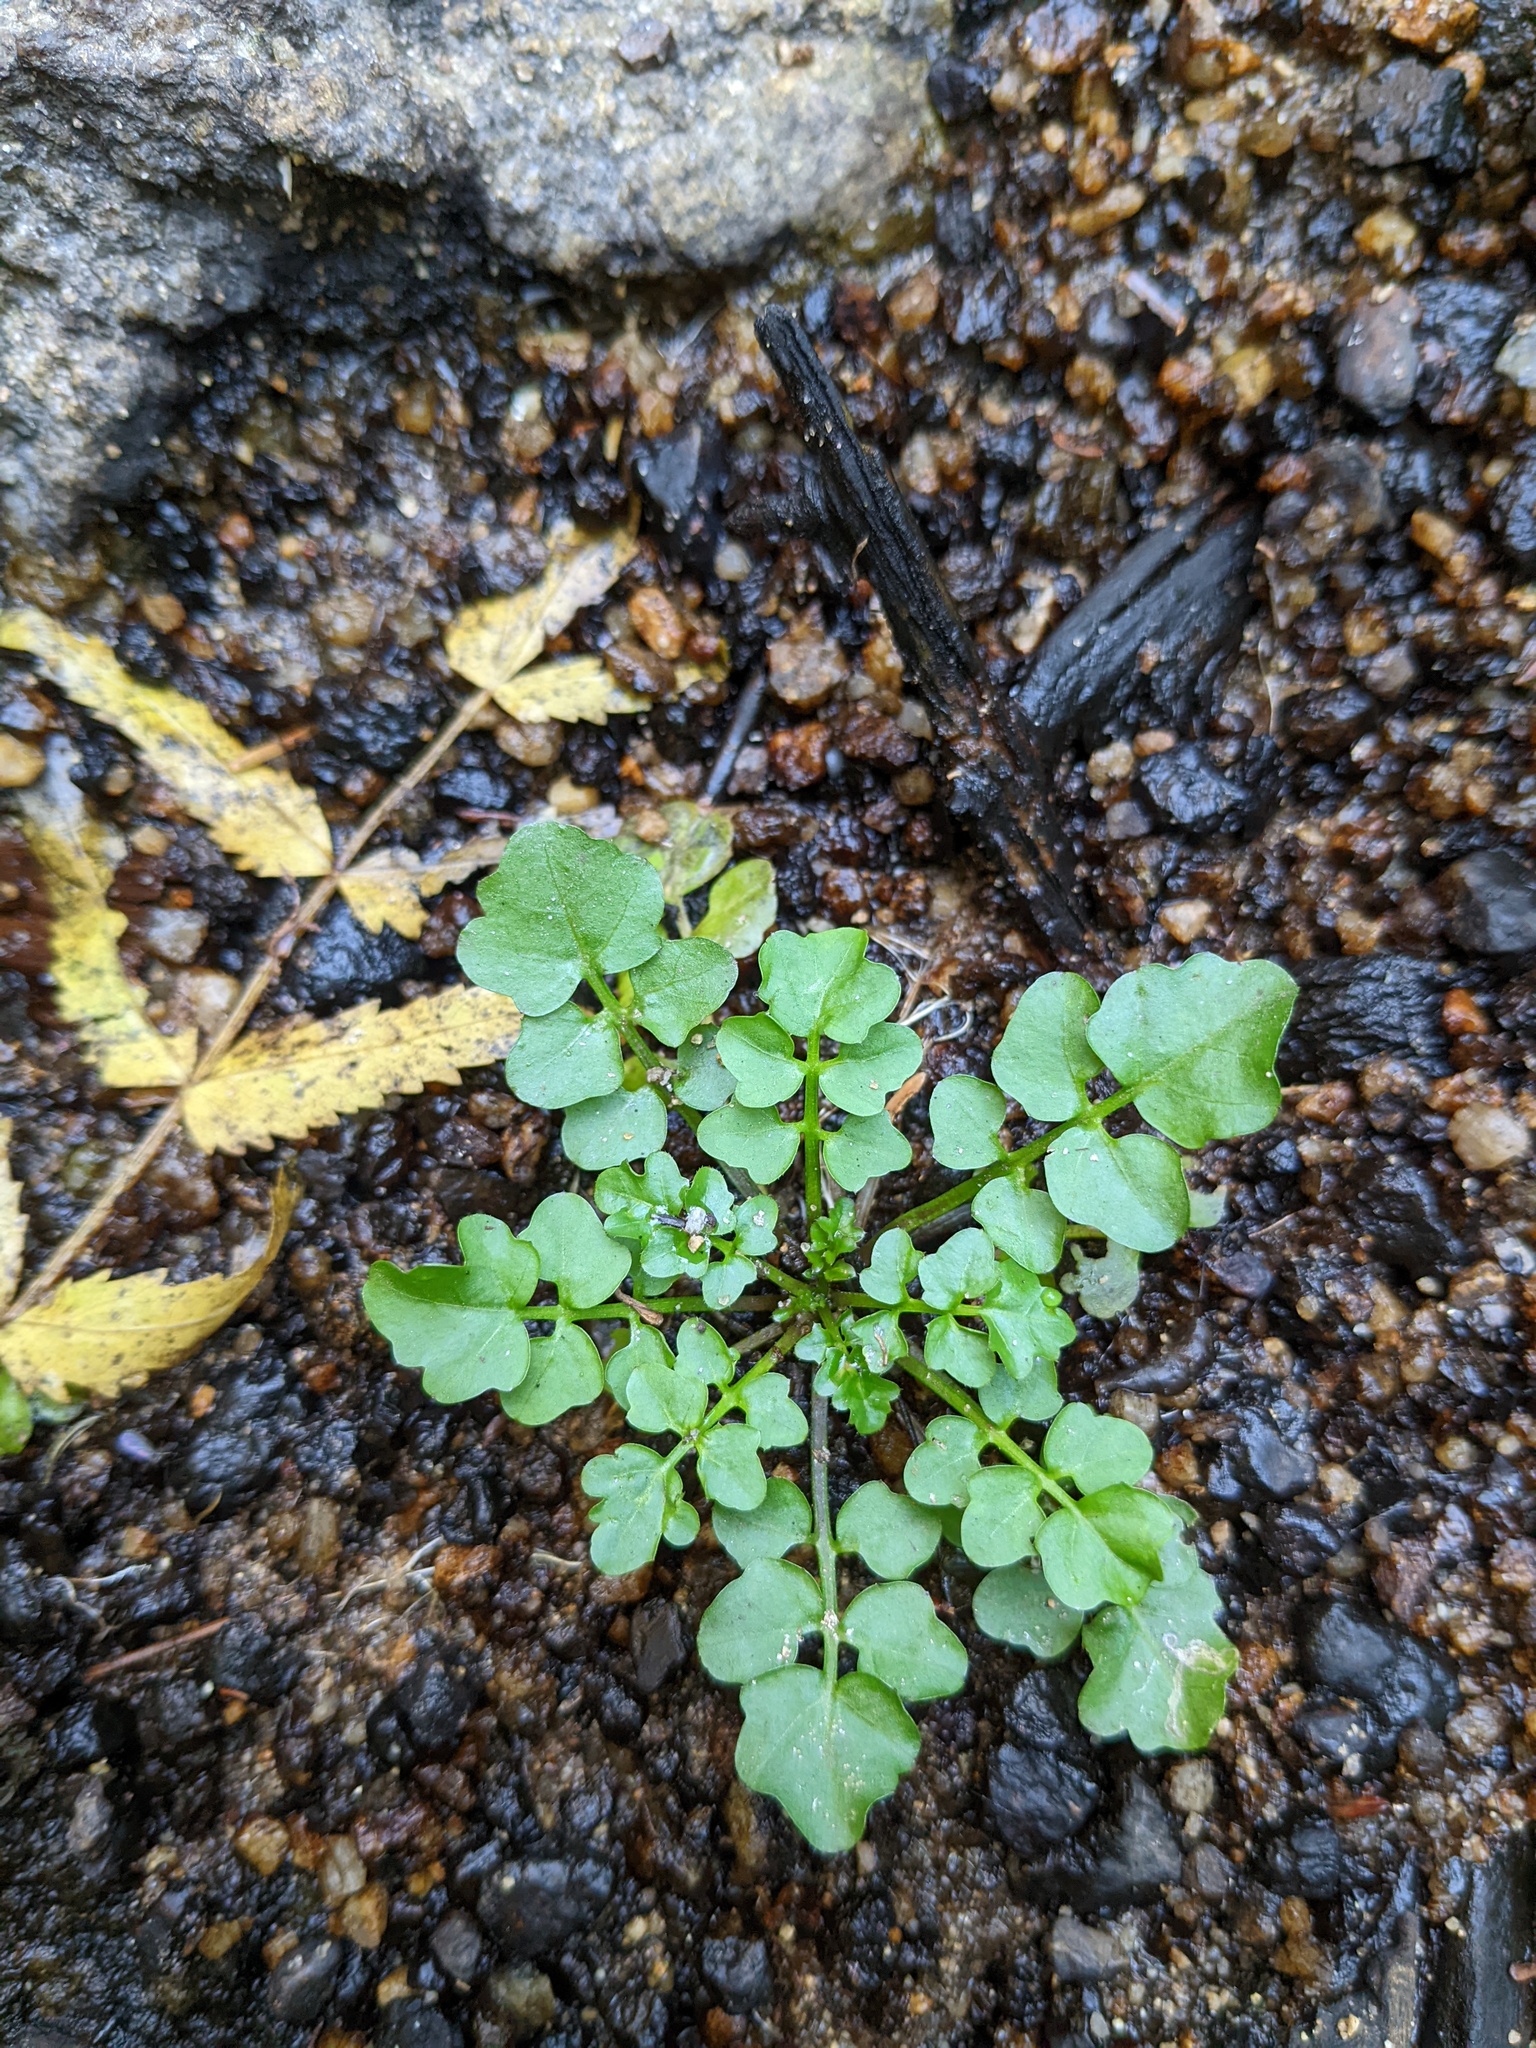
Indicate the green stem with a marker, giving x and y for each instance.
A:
(798, 1290)
(826, 1556)
(913, 1220)
(939, 1383)
(731, 1397)
(811, 1126)
(629, 1031)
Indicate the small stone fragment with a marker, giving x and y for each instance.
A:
(1063, 35)
(364, 1917)
(1486, 1138)
(806, 666)
(1376, 360)
(646, 45)
(798, 754)
(19, 763)
(1185, 919)
(263, 1843)
(1081, 1954)
(1493, 902)
(1410, 113)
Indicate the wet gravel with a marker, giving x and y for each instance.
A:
(433, 1784)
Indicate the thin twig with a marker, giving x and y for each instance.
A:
(129, 1169)
(148, 1651)
(748, 704)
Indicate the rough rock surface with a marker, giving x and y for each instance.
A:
(148, 151)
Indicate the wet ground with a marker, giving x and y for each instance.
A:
(433, 1785)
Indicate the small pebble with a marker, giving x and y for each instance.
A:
(1185, 919)
(1485, 1138)
(19, 763)
(1191, 1785)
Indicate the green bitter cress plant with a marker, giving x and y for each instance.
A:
(1070, 1543)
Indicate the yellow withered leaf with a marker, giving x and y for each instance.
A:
(91, 987)
(571, 688)
(298, 1076)
(99, 1335)
(261, 817)
(388, 887)
(13, 1221)
(491, 642)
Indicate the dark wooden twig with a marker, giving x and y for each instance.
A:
(995, 776)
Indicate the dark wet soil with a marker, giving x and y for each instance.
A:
(433, 1785)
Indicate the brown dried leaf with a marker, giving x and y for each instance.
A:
(491, 642)
(298, 1076)
(91, 987)
(99, 1335)
(261, 817)
(388, 887)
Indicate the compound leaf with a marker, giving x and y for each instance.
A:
(774, 1413)
(903, 1643)
(1196, 1045)
(576, 1255)
(1044, 1057)
(1016, 1606)
(631, 1123)
(893, 1534)
(1095, 1450)
(1160, 1669)
(864, 1148)
(1105, 1548)
(940, 1470)
(966, 1114)
(825, 1751)
(754, 1624)
(753, 1139)
(781, 1522)
(761, 1057)
(565, 1057)
(564, 1371)
(560, 907)
(821, 981)
(730, 1470)
(458, 1325)
(1002, 1515)
(1023, 1223)
(1132, 1189)
(631, 1488)
(892, 1267)
(860, 1079)
(683, 982)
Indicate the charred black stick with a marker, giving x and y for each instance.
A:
(995, 776)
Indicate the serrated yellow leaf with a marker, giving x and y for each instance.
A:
(99, 1335)
(261, 818)
(491, 642)
(298, 1076)
(388, 887)
(573, 688)
(91, 987)
(13, 1221)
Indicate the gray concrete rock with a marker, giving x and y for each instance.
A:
(149, 151)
